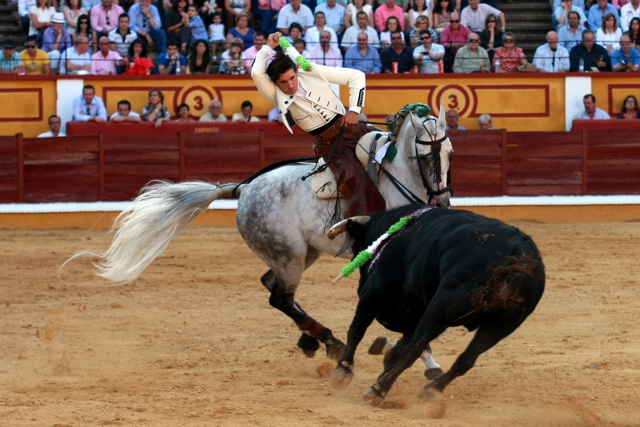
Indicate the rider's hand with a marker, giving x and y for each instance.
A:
(272, 41)
(351, 118)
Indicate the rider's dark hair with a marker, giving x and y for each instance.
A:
(281, 64)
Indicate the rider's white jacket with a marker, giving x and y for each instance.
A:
(320, 104)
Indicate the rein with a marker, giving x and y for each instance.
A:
(432, 143)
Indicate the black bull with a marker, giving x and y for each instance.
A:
(445, 268)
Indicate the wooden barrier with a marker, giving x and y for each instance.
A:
(485, 163)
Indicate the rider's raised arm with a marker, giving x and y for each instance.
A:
(260, 77)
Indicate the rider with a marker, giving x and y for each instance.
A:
(305, 98)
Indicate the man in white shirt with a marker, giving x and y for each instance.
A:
(325, 53)
(591, 112)
(334, 14)
(551, 58)
(627, 12)
(124, 114)
(428, 55)
(122, 36)
(561, 13)
(88, 107)
(54, 126)
(76, 59)
(295, 11)
(474, 15)
(350, 37)
(214, 114)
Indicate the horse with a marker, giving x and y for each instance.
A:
(280, 218)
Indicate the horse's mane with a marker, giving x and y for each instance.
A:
(420, 109)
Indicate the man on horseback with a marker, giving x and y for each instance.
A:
(305, 98)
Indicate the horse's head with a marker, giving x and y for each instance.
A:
(423, 140)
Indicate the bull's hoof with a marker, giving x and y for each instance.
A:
(335, 349)
(373, 395)
(378, 345)
(309, 345)
(433, 374)
(341, 377)
(429, 392)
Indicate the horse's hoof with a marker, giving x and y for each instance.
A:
(373, 396)
(308, 345)
(378, 345)
(429, 392)
(433, 374)
(335, 349)
(341, 378)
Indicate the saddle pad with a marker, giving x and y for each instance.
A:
(323, 184)
(364, 145)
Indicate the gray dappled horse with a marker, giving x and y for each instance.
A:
(280, 218)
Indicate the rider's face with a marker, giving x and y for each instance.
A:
(288, 81)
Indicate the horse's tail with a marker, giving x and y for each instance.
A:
(143, 230)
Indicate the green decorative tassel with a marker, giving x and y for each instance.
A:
(284, 43)
(357, 262)
(399, 225)
(303, 63)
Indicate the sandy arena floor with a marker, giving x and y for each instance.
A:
(194, 342)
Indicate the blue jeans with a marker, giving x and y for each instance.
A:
(159, 37)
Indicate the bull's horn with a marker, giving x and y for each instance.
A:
(341, 227)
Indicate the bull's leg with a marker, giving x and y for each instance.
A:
(282, 298)
(433, 370)
(488, 335)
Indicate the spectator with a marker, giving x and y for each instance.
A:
(56, 40)
(259, 40)
(571, 35)
(362, 118)
(486, 122)
(442, 14)
(312, 35)
(137, 61)
(40, 15)
(417, 8)
(77, 60)
(199, 61)
(422, 22)
(105, 17)
(72, 12)
(172, 62)
(452, 117)
(491, 37)
(214, 114)
(90, 4)
(629, 109)
(383, 12)
(598, 11)
(551, 58)
(216, 34)
(619, 3)
(390, 118)
(561, 13)
(184, 115)
(274, 115)
(591, 112)
(88, 107)
(176, 25)
(509, 57)
(472, 58)
(84, 29)
(578, 3)
(352, 33)
(245, 114)
(35, 61)
(233, 9)
(233, 59)
(403, 4)
(326, 53)
(608, 36)
(474, 15)
(24, 10)
(397, 58)
(592, 55)
(455, 35)
(105, 61)
(155, 111)
(54, 128)
(351, 14)
(634, 32)
(297, 12)
(334, 15)
(196, 25)
(428, 55)
(10, 62)
(122, 37)
(295, 32)
(124, 114)
(267, 13)
(627, 12)
(626, 58)
(362, 56)
(145, 21)
(392, 26)
(242, 31)
(301, 46)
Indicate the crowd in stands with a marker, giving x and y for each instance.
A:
(375, 36)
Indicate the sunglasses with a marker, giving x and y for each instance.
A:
(108, 23)
(452, 21)
(474, 40)
(425, 38)
(492, 21)
(31, 46)
(509, 40)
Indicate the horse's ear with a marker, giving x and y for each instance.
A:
(442, 121)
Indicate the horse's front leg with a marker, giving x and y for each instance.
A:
(313, 331)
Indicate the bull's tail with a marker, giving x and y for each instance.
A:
(143, 230)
